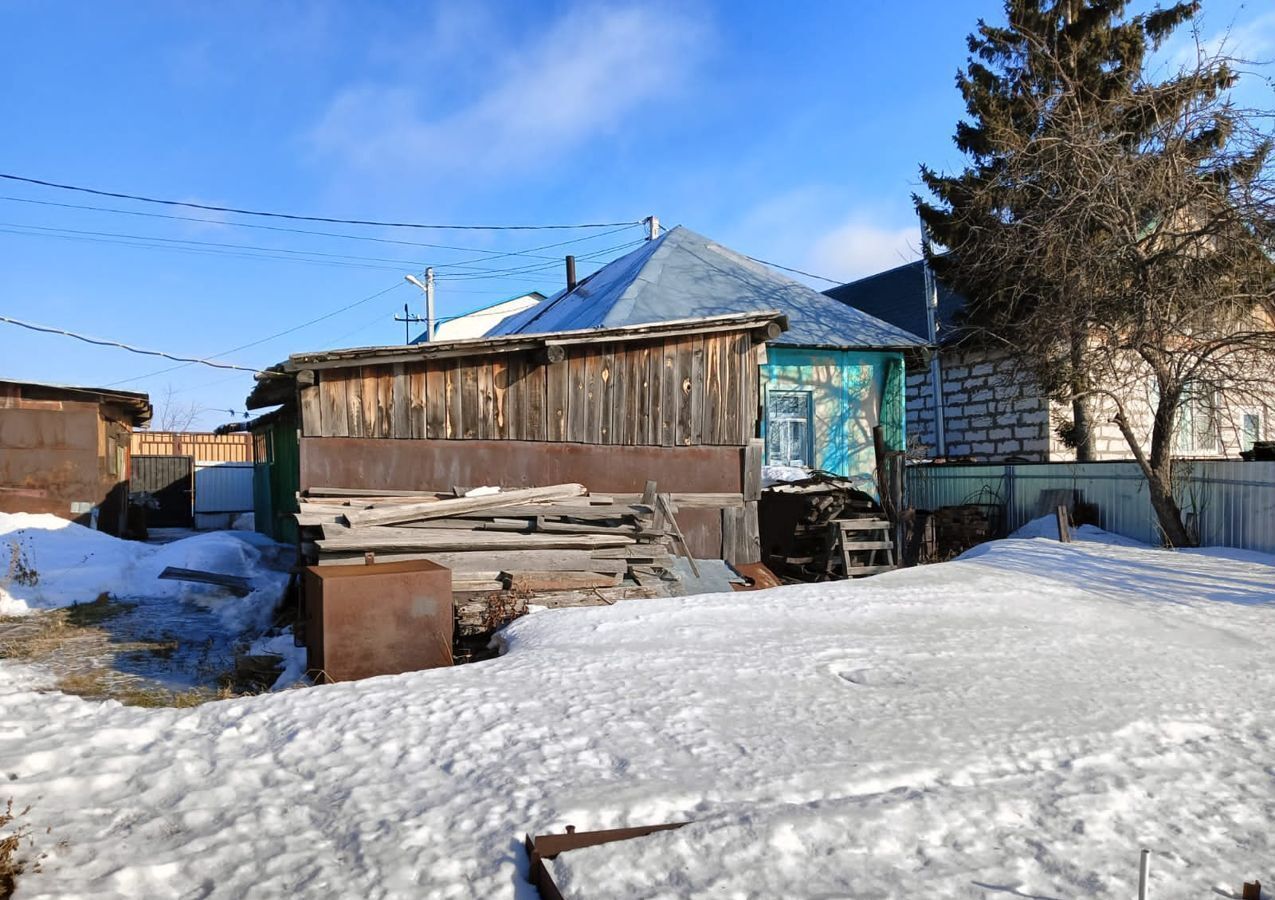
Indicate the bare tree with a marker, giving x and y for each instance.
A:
(1115, 234)
(172, 414)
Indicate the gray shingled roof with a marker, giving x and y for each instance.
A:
(685, 275)
(898, 297)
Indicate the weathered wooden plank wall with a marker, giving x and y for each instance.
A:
(675, 392)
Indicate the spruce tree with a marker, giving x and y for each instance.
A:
(1107, 226)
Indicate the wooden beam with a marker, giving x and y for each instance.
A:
(441, 509)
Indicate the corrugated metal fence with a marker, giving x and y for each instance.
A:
(1227, 503)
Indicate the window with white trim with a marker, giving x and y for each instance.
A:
(789, 428)
(1197, 429)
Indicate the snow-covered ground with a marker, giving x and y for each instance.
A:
(48, 562)
(1018, 723)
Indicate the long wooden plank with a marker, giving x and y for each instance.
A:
(685, 391)
(510, 402)
(334, 414)
(712, 410)
(594, 391)
(435, 402)
(443, 508)
(400, 425)
(495, 561)
(535, 423)
(559, 581)
(441, 540)
(455, 407)
(364, 492)
(607, 390)
(417, 397)
(557, 401)
(670, 391)
(354, 403)
(695, 437)
(311, 406)
(578, 403)
(691, 501)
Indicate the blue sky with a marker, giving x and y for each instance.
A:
(791, 132)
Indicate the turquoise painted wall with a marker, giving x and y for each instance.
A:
(851, 392)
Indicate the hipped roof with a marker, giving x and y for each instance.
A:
(683, 274)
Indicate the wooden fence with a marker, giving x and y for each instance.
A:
(202, 446)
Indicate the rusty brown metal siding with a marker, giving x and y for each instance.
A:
(373, 464)
(54, 453)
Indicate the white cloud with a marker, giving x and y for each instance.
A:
(583, 77)
(859, 247)
(1252, 41)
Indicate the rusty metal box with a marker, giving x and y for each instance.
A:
(377, 619)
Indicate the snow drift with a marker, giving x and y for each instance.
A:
(1020, 723)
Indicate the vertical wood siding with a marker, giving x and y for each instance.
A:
(680, 391)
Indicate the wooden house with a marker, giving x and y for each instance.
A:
(676, 402)
(65, 450)
(827, 381)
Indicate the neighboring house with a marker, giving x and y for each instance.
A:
(65, 450)
(478, 322)
(825, 383)
(988, 411)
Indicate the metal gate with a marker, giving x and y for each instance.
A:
(170, 480)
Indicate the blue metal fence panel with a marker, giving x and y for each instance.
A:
(1226, 503)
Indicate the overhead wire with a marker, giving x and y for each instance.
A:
(489, 254)
(107, 342)
(140, 198)
(271, 337)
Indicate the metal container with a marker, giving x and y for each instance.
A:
(377, 619)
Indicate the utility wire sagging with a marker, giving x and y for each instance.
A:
(301, 218)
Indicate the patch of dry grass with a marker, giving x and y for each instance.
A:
(12, 839)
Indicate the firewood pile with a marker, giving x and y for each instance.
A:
(798, 519)
(556, 545)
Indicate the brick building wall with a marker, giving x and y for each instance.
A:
(992, 414)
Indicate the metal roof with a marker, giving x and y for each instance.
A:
(898, 296)
(137, 404)
(683, 274)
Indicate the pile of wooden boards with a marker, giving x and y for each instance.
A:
(555, 545)
(804, 530)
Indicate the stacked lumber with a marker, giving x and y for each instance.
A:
(553, 546)
(804, 528)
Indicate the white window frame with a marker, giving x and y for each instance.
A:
(777, 424)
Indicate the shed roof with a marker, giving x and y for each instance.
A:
(768, 323)
(683, 274)
(137, 406)
(897, 296)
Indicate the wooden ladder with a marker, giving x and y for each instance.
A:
(865, 544)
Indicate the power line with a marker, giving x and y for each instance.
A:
(105, 342)
(271, 337)
(300, 218)
(308, 231)
(795, 271)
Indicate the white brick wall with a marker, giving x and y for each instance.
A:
(993, 413)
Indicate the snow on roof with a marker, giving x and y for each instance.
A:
(683, 274)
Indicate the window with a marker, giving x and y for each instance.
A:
(789, 428)
(1198, 420)
(1250, 430)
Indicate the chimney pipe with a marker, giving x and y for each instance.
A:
(571, 273)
